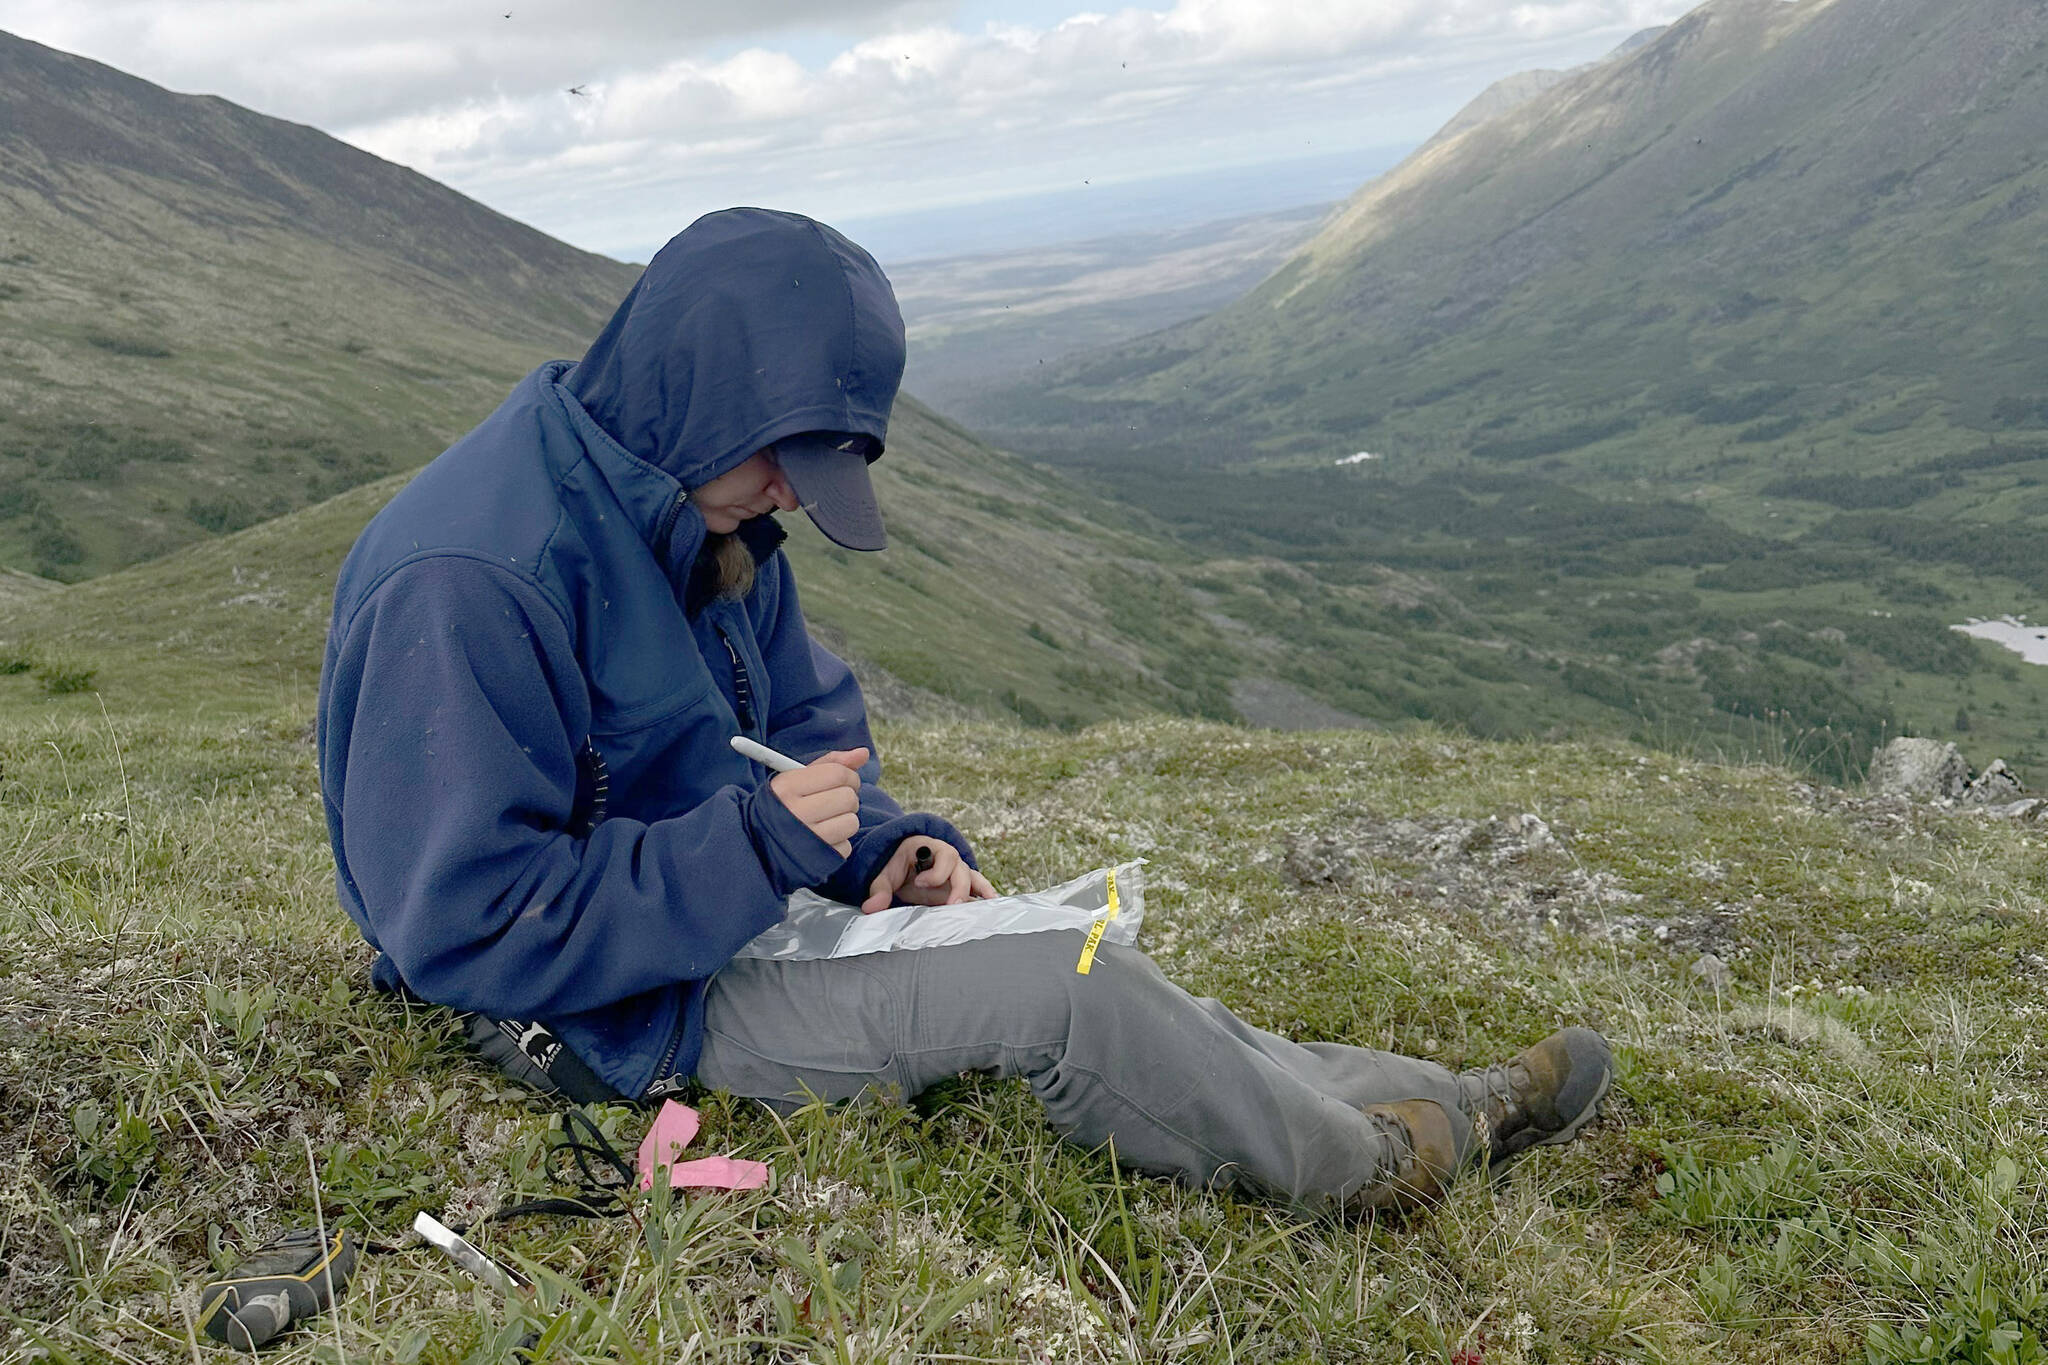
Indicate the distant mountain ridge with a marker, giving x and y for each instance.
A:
(65, 120)
(1514, 91)
(209, 315)
(215, 318)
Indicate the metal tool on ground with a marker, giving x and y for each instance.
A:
(504, 1279)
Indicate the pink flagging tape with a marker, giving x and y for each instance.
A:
(675, 1127)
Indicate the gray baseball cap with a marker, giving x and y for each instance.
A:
(829, 472)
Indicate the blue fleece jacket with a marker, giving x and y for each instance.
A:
(524, 717)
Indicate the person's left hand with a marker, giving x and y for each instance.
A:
(948, 881)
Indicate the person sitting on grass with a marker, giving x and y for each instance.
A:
(539, 652)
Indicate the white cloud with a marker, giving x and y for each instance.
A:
(341, 62)
(686, 105)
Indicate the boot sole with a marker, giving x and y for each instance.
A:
(1571, 1130)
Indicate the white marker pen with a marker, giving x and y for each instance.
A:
(761, 753)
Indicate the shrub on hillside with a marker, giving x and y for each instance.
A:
(19, 498)
(2017, 551)
(1984, 457)
(1923, 644)
(2021, 410)
(61, 677)
(1851, 493)
(220, 515)
(1818, 715)
(1553, 442)
(1777, 428)
(1913, 592)
(55, 546)
(93, 452)
(140, 347)
(1730, 407)
(1787, 568)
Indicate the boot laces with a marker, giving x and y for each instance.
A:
(1395, 1131)
(1496, 1106)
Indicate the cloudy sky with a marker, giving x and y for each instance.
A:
(610, 123)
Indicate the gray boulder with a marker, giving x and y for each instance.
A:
(1997, 785)
(1924, 769)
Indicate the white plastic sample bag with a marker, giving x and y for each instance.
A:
(816, 927)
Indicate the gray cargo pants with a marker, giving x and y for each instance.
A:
(1183, 1086)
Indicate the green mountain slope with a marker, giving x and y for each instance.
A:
(1006, 590)
(208, 316)
(1779, 222)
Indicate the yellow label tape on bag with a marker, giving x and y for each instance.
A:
(1087, 961)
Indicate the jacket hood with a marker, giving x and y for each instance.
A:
(749, 326)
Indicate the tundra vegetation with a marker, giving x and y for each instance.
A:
(1824, 1143)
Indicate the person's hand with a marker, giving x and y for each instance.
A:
(947, 881)
(825, 795)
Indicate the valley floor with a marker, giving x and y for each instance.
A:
(1825, 1141)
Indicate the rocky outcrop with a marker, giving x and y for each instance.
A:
(1997, 785)
(1930, 770)
(1923, 768)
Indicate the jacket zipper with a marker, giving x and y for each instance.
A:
(667, 526)
(665, 1070)
(742, 685)
(600, 774)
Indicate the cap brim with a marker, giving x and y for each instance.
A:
(829, 473)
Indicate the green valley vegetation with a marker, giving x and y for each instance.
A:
(210, 317)
(1708, 376)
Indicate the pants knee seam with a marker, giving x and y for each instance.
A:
(1202, 1147)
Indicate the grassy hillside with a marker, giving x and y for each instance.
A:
(1006, 590)
(1830, 1154)
(210, 317)
(1822, 1146)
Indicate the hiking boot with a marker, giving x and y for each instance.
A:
(1544, 1094)
(1422, 1160)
